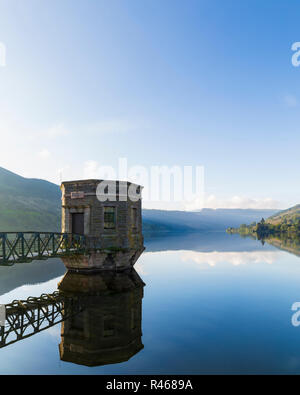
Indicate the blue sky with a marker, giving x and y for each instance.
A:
(160, 82)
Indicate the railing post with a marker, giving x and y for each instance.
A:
(3, 239)
(21, 235)
(53, 243)
(66, 242)
(38, 244)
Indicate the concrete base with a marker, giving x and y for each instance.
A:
(103, 260)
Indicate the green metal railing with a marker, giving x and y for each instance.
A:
(26, 246)
(25, 318)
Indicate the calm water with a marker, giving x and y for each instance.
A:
(213, 303)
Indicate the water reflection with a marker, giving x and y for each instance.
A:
(285, 243)
(233, 258)
(25, 318)
(209, 243)
(215, 300)
(101, 317)
(109, 329)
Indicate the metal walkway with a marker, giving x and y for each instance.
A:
(26, 246)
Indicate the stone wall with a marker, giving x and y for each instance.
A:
(80, 197)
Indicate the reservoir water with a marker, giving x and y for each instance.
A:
(197, 304)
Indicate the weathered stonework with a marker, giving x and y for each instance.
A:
(102, 260)
(109, 243)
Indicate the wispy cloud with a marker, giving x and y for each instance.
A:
(57, 130)
(234, 202)
(291, 101)
(94, 169)
(90, 169)
(111, 126)
(44, 154)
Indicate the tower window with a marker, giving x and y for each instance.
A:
(134, 217)
(134, 317)
(108, 326)
(109, 217)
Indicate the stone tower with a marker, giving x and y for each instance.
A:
(108, 213)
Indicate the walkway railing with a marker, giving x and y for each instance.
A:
(26, 246)
(25, 318)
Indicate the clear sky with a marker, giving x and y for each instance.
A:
(160, 82)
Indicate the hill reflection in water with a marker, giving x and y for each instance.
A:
(291, 245)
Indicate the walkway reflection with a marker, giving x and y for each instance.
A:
(101, 315)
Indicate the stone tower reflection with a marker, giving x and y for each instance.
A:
(108, 330)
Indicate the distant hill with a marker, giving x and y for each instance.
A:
(28, 204)
(204, 220)
(291, 215)
(283, 224)
(34, 204)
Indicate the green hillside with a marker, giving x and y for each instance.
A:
(285, 223)
(28, 204)
(292, 216)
